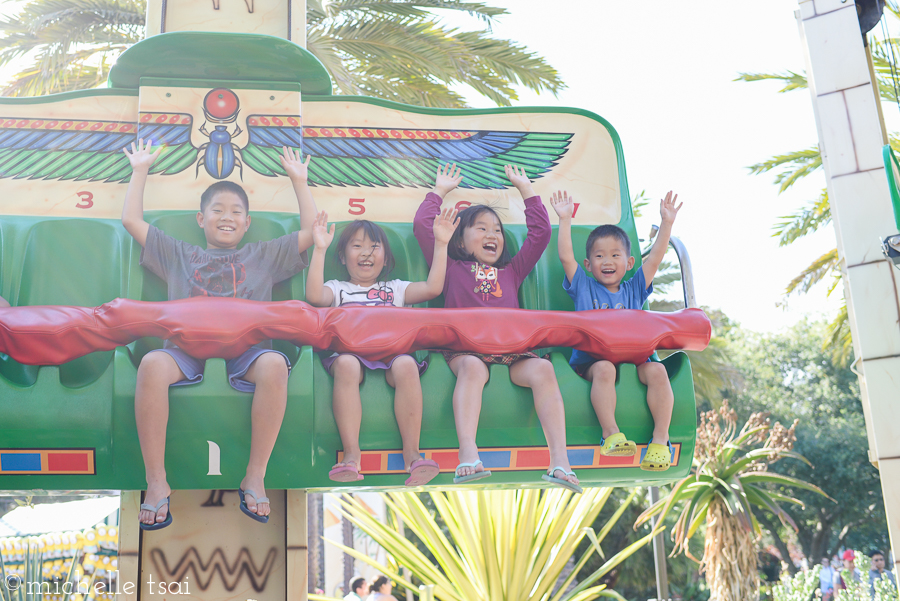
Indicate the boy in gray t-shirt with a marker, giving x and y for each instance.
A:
(219, 270)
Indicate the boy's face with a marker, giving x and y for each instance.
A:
(364, 259)
(609, 261)
(484, 238)
(224, 221)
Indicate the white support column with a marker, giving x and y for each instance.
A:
(850, 140)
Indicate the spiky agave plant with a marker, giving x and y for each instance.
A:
(495, 546)
(729, 479)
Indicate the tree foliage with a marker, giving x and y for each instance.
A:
(392, 49)
(791, 375)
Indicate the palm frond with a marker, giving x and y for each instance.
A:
(792, 81)
(839, 340)
(792, 166)
(827, 264)
(804, 222)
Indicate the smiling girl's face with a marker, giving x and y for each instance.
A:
(484, 238)
(364, 259)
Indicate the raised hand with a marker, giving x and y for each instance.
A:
(667, 208)
(563, 204)
(141, 157)
(444, 225)
(322, 236)
(447, 178)
(517, 176)
(296, 169)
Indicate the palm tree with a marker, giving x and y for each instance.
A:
(793, 166)
(494, 546)
(729, 479)
(392, 49)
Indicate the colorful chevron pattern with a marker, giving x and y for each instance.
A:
(505, 459)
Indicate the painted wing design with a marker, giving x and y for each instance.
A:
(84, 150)
(402, 157)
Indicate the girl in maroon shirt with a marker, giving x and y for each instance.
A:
(482, 273)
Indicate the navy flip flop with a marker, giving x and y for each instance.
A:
(264, 519)
(157, 525)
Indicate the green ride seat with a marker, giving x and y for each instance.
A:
(69, 262)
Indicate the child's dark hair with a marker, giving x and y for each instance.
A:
(380, 582)
(607, 231)
(357, 584)
(217, 187)
(457, 249)
(374, 233)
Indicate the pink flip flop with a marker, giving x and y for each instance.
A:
(345, 473)
(421, 471)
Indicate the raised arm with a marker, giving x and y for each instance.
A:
(443, 228)
(537, 220)
(141, 158)
(564, 205)
(317, 293)
(447, 179)
(298, 171)
(667, 213)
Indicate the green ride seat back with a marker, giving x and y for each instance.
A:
(71, 262)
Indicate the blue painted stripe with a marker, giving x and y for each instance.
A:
(580, 457)
(495, 458)
(395, 462)
(20, 462)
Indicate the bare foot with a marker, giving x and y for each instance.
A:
(155, 494)
(559, 472)
(469, 455)
(256, 485)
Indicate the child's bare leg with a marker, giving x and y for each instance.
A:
(602, 376)
(347, 407)
(270, 374)
(403, 376)
(660, 398)
(538, 375)
(471, 376)
(151, 412)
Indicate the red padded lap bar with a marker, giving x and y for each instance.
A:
(226, 327)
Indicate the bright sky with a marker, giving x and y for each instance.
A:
(662, 73)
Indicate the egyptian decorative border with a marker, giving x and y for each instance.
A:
(47, 462)
(505, 459)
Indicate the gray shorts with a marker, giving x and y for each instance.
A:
(192, 368)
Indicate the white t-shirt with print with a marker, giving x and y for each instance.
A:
(392, 292)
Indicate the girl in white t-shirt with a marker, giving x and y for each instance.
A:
(364, 250)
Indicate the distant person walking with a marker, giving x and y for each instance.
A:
(850, 568)
(826, 579)
(381, 590)
(877, 572)
(359, 588)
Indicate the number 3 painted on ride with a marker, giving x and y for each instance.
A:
(462, 205)
(86, 202)
(356, 206)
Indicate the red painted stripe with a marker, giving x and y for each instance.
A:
(532, 459)
(370, 462)
(446, 460)
(67, 462)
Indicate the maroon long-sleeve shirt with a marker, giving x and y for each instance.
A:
(474, 284)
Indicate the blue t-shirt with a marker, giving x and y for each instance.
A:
(590, 294)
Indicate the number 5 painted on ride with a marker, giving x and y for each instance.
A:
(356, 206)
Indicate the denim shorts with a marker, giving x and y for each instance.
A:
(192, 368)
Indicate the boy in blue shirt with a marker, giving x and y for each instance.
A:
(608, 260)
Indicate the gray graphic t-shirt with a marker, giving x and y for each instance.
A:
(248, 272)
